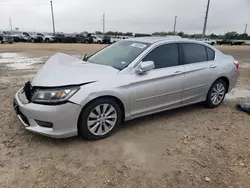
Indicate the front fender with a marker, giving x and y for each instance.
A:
(87, 93)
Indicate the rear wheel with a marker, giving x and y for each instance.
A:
(216, 94)
(99, 119)
(47, 40)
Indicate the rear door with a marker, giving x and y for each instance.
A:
(200, 71)
(160, 88)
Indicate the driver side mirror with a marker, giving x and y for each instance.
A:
(145, 66)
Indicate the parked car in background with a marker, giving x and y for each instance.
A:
(61, 38)
(207, 40)
(126, 80)
(142, 35)
(230, 42)
(5, 38)
(36, 37)
(106, 39)
(47, 37)
(114, 39)
(97, 39)
(70, 38)
(25, 37)
(79, 38)
(88, 39)
(15, 35)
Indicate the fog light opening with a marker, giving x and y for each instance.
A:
(44, 124)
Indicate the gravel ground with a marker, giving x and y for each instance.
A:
(187, 147)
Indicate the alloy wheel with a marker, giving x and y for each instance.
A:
(102, 119)
(218, 93)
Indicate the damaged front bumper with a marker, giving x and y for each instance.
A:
(56, 121)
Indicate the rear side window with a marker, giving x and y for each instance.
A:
(164, 56)
(194, 53)
(210, 54)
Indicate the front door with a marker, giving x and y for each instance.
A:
(160, 88)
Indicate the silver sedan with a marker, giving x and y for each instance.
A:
(126, 80)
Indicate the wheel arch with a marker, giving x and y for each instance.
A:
(226, 80)
(119, 102)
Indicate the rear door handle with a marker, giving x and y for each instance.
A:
(212, 66)
(178, 72)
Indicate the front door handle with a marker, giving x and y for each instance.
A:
(212, 66)
(178, 72)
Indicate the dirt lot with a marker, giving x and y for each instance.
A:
(188, 147)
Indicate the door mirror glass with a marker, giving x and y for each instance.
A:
(145, 66)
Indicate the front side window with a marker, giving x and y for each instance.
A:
(119, 55)
(164, 56)
(194, 53)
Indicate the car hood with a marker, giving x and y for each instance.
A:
(65, 70)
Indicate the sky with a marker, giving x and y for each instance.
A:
(144, 16)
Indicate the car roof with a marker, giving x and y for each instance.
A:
(152, 40)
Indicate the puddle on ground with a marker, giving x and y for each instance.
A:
(245, 65)
(237, 94)
(8, 55)
(20, 61)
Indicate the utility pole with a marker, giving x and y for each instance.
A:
(205, 22)
(245, 29)
(10, 24)
(53, 21)
(175, 20)
(103, 23)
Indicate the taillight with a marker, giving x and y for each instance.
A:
(236, 63)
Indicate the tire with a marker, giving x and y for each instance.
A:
(2, 42)
(212, 43)
(89, 119)
(47, 40)
(217, 90)
(98, 42)
(32, 40)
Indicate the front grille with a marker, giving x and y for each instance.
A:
(28, 90)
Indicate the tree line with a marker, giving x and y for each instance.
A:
(229, 35)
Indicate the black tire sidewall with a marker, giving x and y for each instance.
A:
(208, 100)
(83, 130)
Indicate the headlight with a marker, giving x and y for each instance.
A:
(53, 96)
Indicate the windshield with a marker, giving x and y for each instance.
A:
(119, 55)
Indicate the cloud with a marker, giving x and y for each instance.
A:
(130, 15)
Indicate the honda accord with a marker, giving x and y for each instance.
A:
(128, 79)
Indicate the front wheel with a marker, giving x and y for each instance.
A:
(99, 119)
(216, 94)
